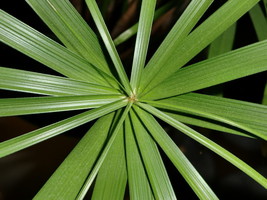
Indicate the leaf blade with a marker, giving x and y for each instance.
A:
(66, 181)
(46, 51)
(154, 165)
(37, 83)
(99, 21)
(20, 106)
(184, 166)
(196, 41)
(62, 18)
(209, 144)
(142, 41)
(138, 182)
(229, 66)
(39, 135)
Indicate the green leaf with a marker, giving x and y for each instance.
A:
(112, 176)
(124, 36)
(259, 21)
(203, 35)
(39, 135)
(33, 105)
(41, 48)
(229, 66)
(228, 112)
(103, 30)
(67, 24)
(142, 41)
(157, 174)
(66, 181)
(209, 144)
(181, 29)
(114, 133)
(138, 183)
(224, 43)
(184, 166)
(37, 83)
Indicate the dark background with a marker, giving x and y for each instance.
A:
(23, 173)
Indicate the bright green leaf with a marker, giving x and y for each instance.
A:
(37, 83)
(142, 41)
(229, 66)
(157, 174)
(209, 144)
(202, 36)
(33, 105)
(187, 170)
(112, 176)
(39, 135)
(41, 48)
(68, 25)
(259, 21)
(138, 183)
(103, 30)
(66, 181)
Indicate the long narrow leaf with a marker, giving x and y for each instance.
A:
(184, 166)
(99, 21)
(66, 181)
(224, 43)
(237, 111)
(230, 112)
(39, 135)
(202, 36)
(63, 19)
(209, 144)
(154, 165)
(138, 182)
(41, 48)
(37, 83)
(229, 66)
(112, 176)
(259, 21)
(142, 41)
(124, 36)
(181, 29)
(33, 105)
(103, 155)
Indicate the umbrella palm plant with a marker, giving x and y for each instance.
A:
(123, 144)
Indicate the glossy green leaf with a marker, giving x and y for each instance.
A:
(193, 178)
(157, 174)
(103, 30)
(37, 83)
(196, 41)
(209, 144)
(181, 29)
(227, 111)
(224, 43)
(68, 25)
(33, 105)
(104, 153)
(124, 36)
(265, 5)
(139, 187)
(142, 41)
(39, 135)
(229, 66)
(112, 176)
(66, 181)
(41, 48)
(259, 21)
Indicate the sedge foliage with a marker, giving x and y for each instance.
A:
(123, 144)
